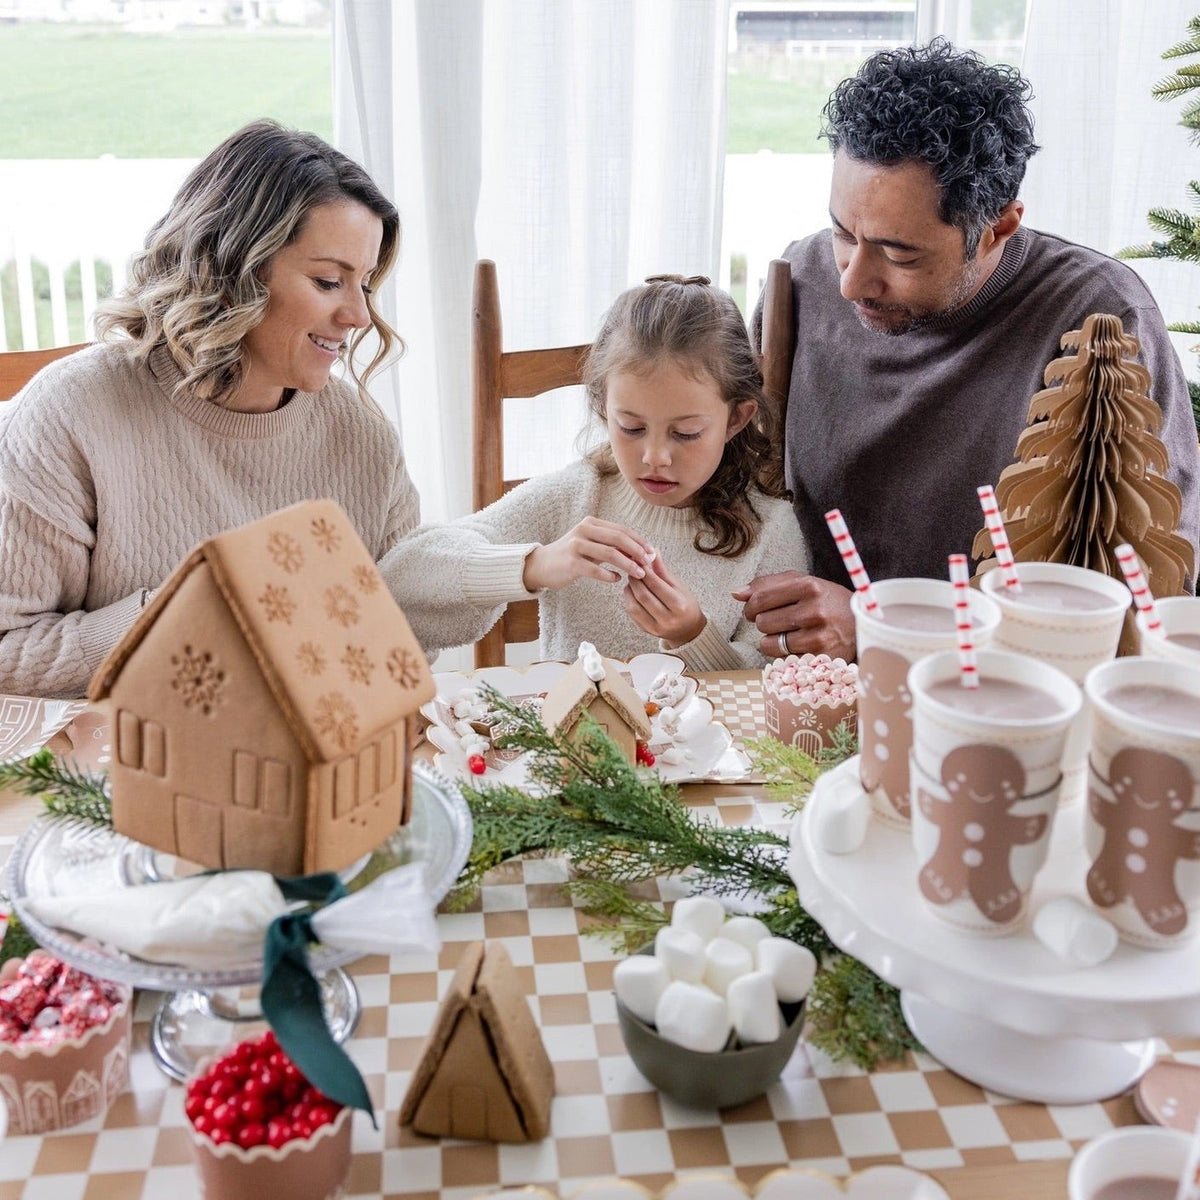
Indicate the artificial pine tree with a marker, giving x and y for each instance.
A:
(1090, 469)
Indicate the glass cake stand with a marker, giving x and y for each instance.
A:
(1004, 1012)
(64, 856)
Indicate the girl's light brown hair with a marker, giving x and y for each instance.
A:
(196, 287)
(686, 321)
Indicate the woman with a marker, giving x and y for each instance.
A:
(208, 402)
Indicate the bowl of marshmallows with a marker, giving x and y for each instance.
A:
(711, 1012)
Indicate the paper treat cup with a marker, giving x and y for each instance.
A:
(1180, 617)
(808, 726)
(1142, 829)
(1072, 641)
(885, 654)
(55, 1086)
(985, 790)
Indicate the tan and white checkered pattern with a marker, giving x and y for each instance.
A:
(606, 1118)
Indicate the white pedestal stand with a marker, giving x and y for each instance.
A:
(1004, 1012)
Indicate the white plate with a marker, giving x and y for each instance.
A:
(713, 753)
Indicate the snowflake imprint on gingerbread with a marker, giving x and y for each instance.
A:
(338, 718)
(357, 663)
(311, 658)
(198, 679)
(326, 535)
(404, 667)
(285, 552)
(277, 604)
(341, 605)
(366, 579)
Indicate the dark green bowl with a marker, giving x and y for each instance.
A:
(702, 1080)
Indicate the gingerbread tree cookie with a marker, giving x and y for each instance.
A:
(1090, 474)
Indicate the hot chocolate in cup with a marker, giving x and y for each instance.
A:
(1180, 637)
(986, 768)
(915, 618)
(1142, 830)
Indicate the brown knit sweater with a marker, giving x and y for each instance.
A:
(108, 479)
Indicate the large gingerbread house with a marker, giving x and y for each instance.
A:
(262, 704)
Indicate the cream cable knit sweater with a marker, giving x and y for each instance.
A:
(454, 580)
(107, 480)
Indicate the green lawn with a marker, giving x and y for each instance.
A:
(78, 92)
(781, 114)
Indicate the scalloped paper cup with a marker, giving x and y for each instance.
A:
(809, 727)
(57, 1086)
(312, 1168)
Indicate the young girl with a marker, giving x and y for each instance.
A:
(639, 546)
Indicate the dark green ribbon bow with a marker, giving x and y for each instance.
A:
(291, 996)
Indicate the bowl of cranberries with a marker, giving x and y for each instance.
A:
(259, 1128)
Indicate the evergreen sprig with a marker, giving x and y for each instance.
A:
(854, 1015)
(65, 789)
(789, 772)
(17, 941)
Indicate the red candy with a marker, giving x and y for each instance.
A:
(42, 969)
(45, 1001)
(477, 764)
(22, 1000)
(254, 1096)
(644, 757)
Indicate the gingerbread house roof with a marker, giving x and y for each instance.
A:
(574, 691)
(334, 647)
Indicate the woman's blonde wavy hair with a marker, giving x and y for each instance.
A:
(197, 286)
(681, 320)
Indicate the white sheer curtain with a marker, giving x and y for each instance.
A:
(578, 143)
(1110, 151)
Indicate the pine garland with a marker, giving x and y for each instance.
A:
(65, 790)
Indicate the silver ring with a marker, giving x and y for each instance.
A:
(783, 646)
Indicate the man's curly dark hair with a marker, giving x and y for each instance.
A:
(969, 120)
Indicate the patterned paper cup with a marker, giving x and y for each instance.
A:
(1180, 639)
(986, 768)
(886, 651)
(1142, 830)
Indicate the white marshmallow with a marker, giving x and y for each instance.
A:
(639, 981)
(754, 1008)
(703, 915)
(840, 820)
(724, 962)
(792, 967)
(682, 952)
(693, 1017)
(746, 931)
(1074, 932)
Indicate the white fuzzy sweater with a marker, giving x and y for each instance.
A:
(107, 481)
(454, 580)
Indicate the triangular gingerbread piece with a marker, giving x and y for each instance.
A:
(483, 1072)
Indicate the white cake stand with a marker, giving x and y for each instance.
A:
(1004, 1012)
(62, 856)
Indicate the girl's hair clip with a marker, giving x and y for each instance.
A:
(703, 280)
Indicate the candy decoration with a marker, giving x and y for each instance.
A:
(477, 764)
(858, 575)
(999, 536)
(644, 756)
(959, 576)
(1142, 596)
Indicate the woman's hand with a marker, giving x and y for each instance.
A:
(660, 605)
(590, 551)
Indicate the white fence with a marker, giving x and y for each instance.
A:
(56, 213)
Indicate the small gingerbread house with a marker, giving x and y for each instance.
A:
(484, 1072)
(595, 686)
(262, 703)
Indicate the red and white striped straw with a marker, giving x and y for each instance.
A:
(968, 670)
(995, 526)
(1142, 596)
(858, 575)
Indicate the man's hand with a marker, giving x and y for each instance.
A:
(663, 607)
(589, 551)
(813, 615)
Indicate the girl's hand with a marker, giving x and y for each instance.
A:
(660, 605)
(590, 551)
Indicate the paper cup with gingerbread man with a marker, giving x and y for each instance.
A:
(986, 770)
(1142, 828)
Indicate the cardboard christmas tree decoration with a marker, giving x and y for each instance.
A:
(1090, 474)
(484, 1072)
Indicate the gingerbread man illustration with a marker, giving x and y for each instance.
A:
(885, 725)
(1142, 844)
(978, 831)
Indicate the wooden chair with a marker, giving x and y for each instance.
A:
(498, 375)
(18, 367)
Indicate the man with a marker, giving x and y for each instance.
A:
(924, 326)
